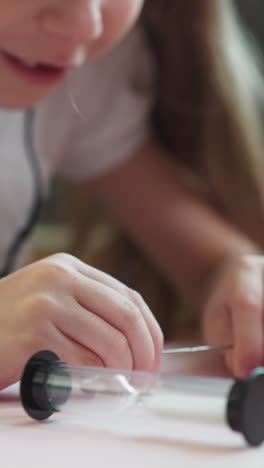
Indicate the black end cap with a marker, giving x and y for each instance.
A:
(245, 407)
(32, 392)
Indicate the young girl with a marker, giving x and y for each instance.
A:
(61, 303)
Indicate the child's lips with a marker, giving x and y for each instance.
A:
(41, 73)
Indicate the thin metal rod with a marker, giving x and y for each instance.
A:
(196, 349)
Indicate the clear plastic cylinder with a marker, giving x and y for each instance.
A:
(49, 385)
(85, 389)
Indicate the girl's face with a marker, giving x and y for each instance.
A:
(41, 40)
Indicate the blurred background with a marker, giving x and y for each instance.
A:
(74, 223)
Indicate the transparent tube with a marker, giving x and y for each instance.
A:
(111, 390)
(49, 385)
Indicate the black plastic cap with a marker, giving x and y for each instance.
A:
(245, 407)
(32, 386)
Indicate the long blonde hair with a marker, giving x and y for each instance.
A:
(209, 102)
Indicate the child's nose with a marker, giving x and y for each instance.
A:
(79, 21)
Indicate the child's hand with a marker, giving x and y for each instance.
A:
(234, 314)
(80, 313)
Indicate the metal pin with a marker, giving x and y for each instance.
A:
(196, 349)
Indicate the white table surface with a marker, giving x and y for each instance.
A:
(134, 440)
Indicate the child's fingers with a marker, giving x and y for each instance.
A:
(153, 327)
(133, 296)
(94, 333)
(72, 352)
(137, 334)
(122, 314)
(247, 321)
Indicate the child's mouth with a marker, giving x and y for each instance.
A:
(39, 73)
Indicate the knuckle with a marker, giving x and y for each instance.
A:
(132, 315)
(53, 272)
(135, 297)
(62, 257)
(40, 306)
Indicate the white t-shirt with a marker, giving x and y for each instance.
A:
(96, 118)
